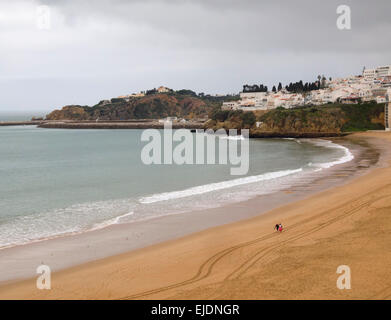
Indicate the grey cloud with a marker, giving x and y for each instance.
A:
(253, 25)
(208, 45)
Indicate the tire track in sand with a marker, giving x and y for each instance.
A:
(206, 268)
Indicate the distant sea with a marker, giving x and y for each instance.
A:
(20, 116)
(57, 182)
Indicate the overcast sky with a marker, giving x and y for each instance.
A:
(100, 49)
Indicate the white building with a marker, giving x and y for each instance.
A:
(231, 105)
(255, 100)
(386, 82)
(138, 95)
(372, 85)
(369, 75)
(381, 99)
(133, 95)
(168, 120)
(383, 71)
(375, 74)
(163, 89)
(365, 95)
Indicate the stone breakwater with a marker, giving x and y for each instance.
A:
(19, 123)
(118, 125)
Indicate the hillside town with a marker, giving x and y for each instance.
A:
(186, 108)
(372, 85)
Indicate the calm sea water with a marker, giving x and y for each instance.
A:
(55, 182)
(21, 116)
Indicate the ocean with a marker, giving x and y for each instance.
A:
(20, 116)
(55, 182)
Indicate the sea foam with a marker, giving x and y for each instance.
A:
(216, 186)
(348, 156)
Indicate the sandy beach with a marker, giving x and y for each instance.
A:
(346, 225)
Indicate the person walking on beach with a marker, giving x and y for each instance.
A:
(277, 226)
(280, 227)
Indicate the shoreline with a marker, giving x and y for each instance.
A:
(155, 124)
(242, 202)
(264, 197)
(138, 233)
(291, 198)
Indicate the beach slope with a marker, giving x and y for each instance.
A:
(347, 225)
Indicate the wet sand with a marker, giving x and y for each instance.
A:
(346, 224)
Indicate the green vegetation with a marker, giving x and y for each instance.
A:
(325, 119)
(118, 100)
(363, 117)
(237, 118)
(248, 118)
(186, 92)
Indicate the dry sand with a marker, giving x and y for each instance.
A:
(347, 225)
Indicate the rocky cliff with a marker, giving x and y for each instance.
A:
(153, 106)
(315, 121)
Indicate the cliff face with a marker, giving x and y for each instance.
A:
(315, 121)
(69, 112)
(152, 106)
(302, 121)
